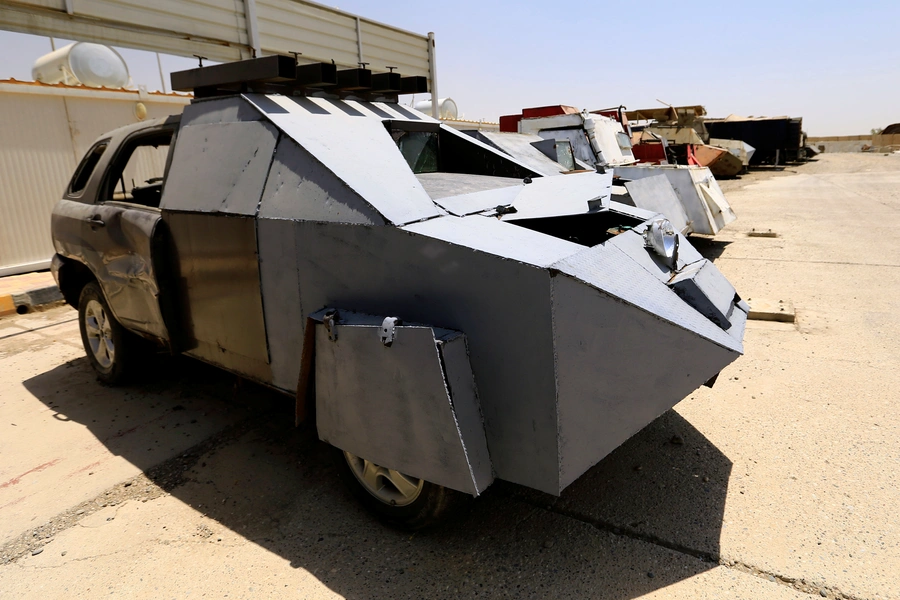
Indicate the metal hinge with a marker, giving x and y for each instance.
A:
(330, 320)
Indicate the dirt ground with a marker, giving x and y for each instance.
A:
(779, 482)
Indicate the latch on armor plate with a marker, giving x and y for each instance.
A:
(330, 320)
(388, 330)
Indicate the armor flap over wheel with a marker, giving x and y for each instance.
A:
(402, 397)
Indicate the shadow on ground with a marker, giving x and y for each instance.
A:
(647, 516)
(709, 248)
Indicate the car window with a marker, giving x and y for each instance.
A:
(137, 173)
(87, 166)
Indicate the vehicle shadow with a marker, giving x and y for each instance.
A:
(648, 516)
(709, 248)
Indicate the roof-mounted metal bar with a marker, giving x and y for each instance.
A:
(354, 80)
(278, 74)
(268, 69)
(317, 75)
(387, 83)
(414, 85)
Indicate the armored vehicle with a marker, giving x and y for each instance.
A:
(443, 314)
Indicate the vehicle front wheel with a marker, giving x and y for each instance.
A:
(110, 348)
(399, 499)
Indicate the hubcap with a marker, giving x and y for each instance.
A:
(99, 334)
(390, 486)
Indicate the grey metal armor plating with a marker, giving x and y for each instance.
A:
(557, 333)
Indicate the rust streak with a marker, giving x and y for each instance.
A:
(37, 469)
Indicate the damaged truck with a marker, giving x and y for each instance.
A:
(441, 313)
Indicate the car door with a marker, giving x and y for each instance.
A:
(121, 230)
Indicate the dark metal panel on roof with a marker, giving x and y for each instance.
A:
(222, 167)
(273, 68)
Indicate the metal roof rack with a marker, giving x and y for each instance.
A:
(277, 74)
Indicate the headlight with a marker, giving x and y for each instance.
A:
(661, 236)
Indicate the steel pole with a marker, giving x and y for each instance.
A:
(432, 68)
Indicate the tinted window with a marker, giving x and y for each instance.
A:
(419, 148)
(87, 166)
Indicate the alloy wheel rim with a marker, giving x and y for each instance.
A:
(99, 334)
(387, 485)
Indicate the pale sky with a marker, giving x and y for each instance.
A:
(836, 64)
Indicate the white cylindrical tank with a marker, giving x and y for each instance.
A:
(446, 108)
(93, 65)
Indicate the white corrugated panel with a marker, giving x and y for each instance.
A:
(44, 132)
(320, 34)
(385, 46)
(36, 160)
(158, 27)
(220, 20)
(218, 29)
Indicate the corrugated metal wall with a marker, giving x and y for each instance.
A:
(44, 132)
(219, 29)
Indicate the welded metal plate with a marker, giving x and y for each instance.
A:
(222, 168)
(496, 237)
(569, 194)
(708, 188)
(283, 311)
(301, 187)
(657, 194)
(231, 109)
(520, 146)
(611, 270)
(468, 204)
(394, 405)
(362, 154)
(613, 381)
(486, 296)
(219, 277)
(449, 185)
(702, 286)
(682, 178)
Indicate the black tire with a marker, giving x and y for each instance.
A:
(118, 363)
(433, 503)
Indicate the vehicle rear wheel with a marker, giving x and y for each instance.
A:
(399, 499)
(110, 348)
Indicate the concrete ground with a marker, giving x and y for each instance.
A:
(779, 482)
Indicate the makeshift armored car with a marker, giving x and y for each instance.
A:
(448, 316)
